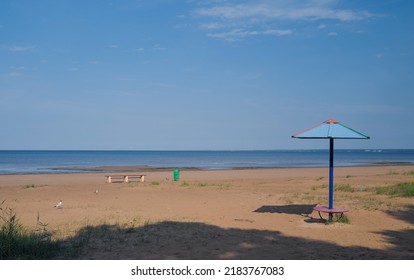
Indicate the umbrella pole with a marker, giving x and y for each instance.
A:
(331, 167)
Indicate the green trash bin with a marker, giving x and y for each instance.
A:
(176, 174)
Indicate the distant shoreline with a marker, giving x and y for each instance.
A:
(64, 162)
(125, 169)
(118, 169)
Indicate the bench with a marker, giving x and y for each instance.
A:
(124, 178)
(330, 211)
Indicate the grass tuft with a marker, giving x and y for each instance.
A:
(204, 184)
(33, 186)
(402, 190)
(344, 188)
(17, 243)
(187, 184)
(324, 186)
(184, 184)
(343, 220)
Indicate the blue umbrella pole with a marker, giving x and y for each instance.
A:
(331, 175)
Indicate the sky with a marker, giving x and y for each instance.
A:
(204, 74)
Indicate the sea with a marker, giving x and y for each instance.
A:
(56, 161)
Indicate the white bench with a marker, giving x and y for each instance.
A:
(124, 178)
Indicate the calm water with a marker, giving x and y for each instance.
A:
(27, 162)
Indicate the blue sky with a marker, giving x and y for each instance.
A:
(195, 74)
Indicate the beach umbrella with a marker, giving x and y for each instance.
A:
(330, 129)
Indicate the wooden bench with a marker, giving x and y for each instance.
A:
(336, 211)
(124, 178)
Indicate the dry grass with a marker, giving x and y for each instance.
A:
(205, 185)
(359, 196)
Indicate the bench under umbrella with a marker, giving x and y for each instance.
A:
(330, 129)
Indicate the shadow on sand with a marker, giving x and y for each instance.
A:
(404, 239)
(191, 240)
(304, 210)
(295, 209)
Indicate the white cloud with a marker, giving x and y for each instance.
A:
(264, 12)
(277, 32)
(20, 48)
(212, 25)
(236, 11)
(140, 49)
(158, 47)
(257, 18)
(15, 74)
(239, 34)
(318, 13)
(16, 71)
(332, 34)
(233, 35)
(18, 68)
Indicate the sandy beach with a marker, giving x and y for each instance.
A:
(226, 214)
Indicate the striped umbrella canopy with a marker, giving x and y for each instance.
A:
(330, 129)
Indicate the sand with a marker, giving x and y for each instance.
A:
(219, 215)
